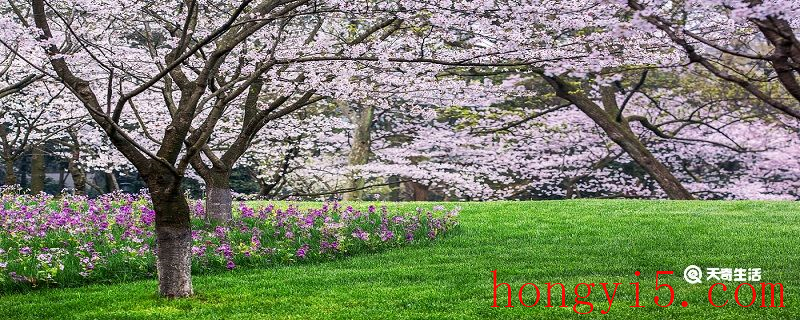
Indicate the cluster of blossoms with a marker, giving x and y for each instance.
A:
(45, 241)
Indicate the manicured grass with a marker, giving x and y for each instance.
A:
(556, 241)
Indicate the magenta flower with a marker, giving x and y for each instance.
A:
(246, 211)
(198, 251)
(148, 216)
(327, 247)
(92, 239)
(386, 235)
(302, 251)
(360, 234)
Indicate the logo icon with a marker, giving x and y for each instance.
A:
(693, 274)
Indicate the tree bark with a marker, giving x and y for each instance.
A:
(622, 135)
(74, 164)
(24, 167)
(264, 188)
(62, 178)
(111, 182)
(416, 191)
(219, 198)
(78, 177)
(359, 152)
(37, 170)
(173, 234)
(420, 192)
(11, 176)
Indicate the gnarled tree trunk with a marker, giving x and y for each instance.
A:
(622, 135)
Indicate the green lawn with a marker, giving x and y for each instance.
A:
(538, 242)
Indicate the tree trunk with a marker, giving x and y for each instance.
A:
(420, 192)
(219, 200)
(111, 182)
(37, 170)
(74, 165)
(24, 166)
(11, 176)
(173, 234)
(359, 153)
(416, 191)
(657, 170)
(621, 134)
(173, 241)
(264, 188)
(62, 178)
(78, 177)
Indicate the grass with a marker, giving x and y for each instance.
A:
(555, 241)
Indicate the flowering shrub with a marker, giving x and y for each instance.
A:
(46, 241)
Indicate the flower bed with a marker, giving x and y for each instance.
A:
(71, 241)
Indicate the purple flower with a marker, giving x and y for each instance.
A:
(387, 235)
(220, 231)
(246, 211)
(225, 250)
(121, 226)
(199, 210)
(148, 216)
(255, 240)
(302, 251)
(361, 234)
(45, 258)
(198, 251)
(326, 246)
(432, 234)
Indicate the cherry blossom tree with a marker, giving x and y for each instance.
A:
(192, 56)
(186, 66)
(30, 117)
(757, 36)
(188, 87)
